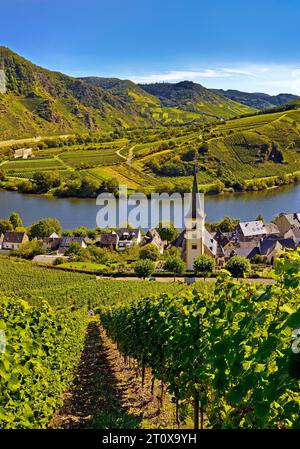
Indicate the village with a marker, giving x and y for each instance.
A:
(162, 250)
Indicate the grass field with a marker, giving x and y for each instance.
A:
(234, 146)
(32, 165)
(33, 283)
(92, 158)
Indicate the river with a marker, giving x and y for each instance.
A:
(82, 212)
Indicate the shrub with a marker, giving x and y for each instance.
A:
(238, 266)
(58, 261)
(144, 268)
(204, 265)
(149, 252)
(175, 265)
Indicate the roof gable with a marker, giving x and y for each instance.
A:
(13, 237)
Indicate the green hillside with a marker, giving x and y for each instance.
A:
(39, 101)
(119, 134)
(35, 101)
(252, 153)
(256, 100)
(195, 98)
(153, 108)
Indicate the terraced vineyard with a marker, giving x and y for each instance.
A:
(32, 165)
(238, 152)
(76, 159)
(223, 353)
(35, 284)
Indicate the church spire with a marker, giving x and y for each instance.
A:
(195, 197)
(196, 205)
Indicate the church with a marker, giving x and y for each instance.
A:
(195, 240)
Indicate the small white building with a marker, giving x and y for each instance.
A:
(251, 230)
(153, 237)
(13, 240)
(23, 153)
(129, 237)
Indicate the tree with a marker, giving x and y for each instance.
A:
(204, 265)
(74, 250)
(92, 234)
(29, 250)
(150, 252)
(81, 231)
(109, 186)
(144, 268)
(203, 149)
(16, 220)
(260, 218)
(44, 228)
(58, 261)
(167, 233)
(238, 266)
(89, 188)
(45, 180)
(5, 225)
(228, 224)
(2, 175)
(175, 265)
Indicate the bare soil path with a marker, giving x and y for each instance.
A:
(107, 393)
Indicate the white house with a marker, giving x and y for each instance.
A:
(129, 237)
(251, 230)
(13, 240)
(23, 153)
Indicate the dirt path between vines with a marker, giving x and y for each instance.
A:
(106, 393)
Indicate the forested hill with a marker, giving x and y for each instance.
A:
(257, 100)
(196, 98)
(39, 101)
(35, 101)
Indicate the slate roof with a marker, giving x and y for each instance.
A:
(267, 245)
(252, 228)
(67, 240)
(293, 219)
(152, 236)
(245, 251)
(109, 238)
(13, 237)
(272, 229)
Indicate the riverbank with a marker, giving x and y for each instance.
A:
(74, 212)
(253, 185)
(14, 184)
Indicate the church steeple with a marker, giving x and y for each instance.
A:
(196, 207)
(195, 197)
(194, 232)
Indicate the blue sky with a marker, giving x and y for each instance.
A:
(247, 45)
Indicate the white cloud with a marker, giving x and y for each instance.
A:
(179, 76)
(272, 79)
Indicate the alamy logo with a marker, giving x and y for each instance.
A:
(296, 342)
(139, 211)
(2, 341)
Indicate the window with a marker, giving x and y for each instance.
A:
(194, 246)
